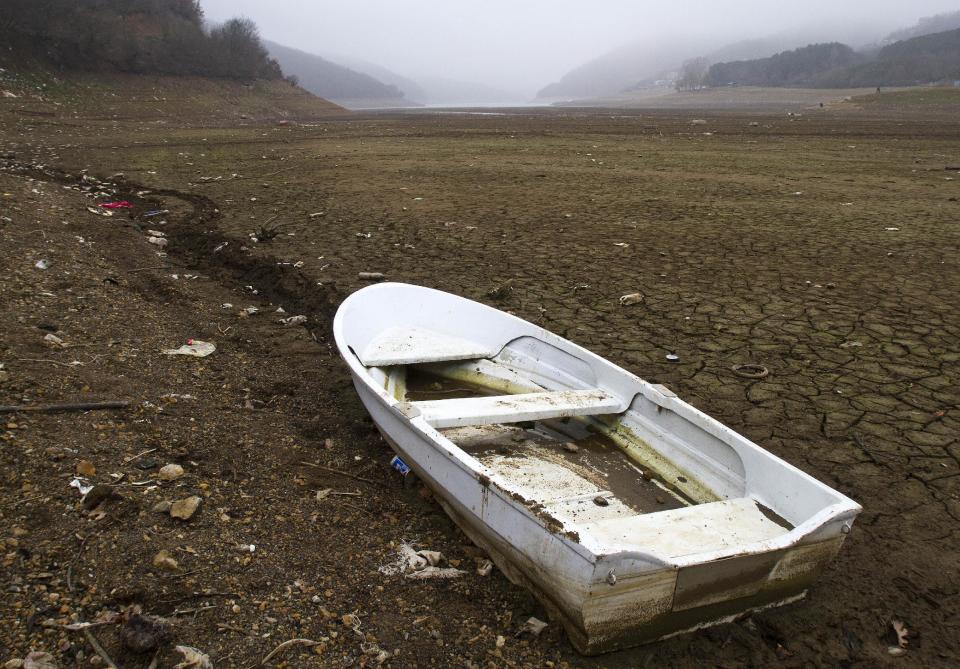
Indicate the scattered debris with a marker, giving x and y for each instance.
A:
(170, 472)
(485, 568)
(851, 344)
(122, 204)
(39, 660)
(294, 320)
(158, 241)
(100, 212)
(401, 466)
(570, 447)
(42, 264)
(194, 658)
(631, 299)
(534, 626)
(86, 468)
(56, 408)
(249, 311)
(673, 357)
(269, 656)
(194, 348)
(418, 565)
(156, 212)
(82, 487)
(163, 560)
(502, 291)
(185, 508)
(622, 245)
(141, 633)
(318, 214)
(371, 276)
(698, 121)
(751, 371)
(903, 638)
(54, 341)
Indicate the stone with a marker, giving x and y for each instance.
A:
(170, 472)
(163, 560)
(162, 506)
(86, 468)
(184, 509)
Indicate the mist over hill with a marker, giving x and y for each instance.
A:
(335, 82)
(926, 26)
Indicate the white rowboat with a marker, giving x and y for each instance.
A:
(631, 515)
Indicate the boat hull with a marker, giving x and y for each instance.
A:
(599, 616)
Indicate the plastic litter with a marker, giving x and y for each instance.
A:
(294, 320)
(631, 299)
(194, 348)
(121, 204)
(400, 465)
(156, 212)
(100, 212)
(534, 626)
(673, 357)
(158, 241)
(419, 565)
(82, 486)
(42, 264)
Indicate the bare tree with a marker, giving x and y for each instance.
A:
(693, 75)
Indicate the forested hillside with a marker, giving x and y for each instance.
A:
(920, 60)
(138, 36)
(332, 81)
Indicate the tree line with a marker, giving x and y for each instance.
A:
(139, 36)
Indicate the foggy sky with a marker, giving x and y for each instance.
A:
(523, 45)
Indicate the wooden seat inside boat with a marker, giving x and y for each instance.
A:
(517, 408)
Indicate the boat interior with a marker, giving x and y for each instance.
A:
(620, 473)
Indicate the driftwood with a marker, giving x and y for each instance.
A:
(55, 408)
(340, 472)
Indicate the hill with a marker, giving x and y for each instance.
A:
(412, 91)
(334, 82)
(799, 67)
(920, 60)
(927, 26)
(166, 37)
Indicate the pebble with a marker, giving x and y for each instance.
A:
(170, 472)
(185, 508)
(571, 447)
(86, 468)
(162, 506)
(163, 560)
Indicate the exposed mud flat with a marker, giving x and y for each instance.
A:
(822, 247)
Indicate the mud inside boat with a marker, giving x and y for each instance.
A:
(574, 468)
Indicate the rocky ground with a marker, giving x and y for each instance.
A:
(821, 246)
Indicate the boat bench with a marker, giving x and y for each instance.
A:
(517, 408)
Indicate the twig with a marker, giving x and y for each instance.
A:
(137, 456)
(144, 269)
(341, 473)
(224, 626)
(155, 662)
(286, 644)
(183, 612)
(97, 647)
(54, 408)
(52, 362)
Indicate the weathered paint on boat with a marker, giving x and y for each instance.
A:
(612, 581)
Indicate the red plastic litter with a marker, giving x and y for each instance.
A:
(122, 204)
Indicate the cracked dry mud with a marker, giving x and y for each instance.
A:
(822, 248)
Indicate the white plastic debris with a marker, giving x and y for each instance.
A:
(54, 341)
(419, 565)
(194, 348)
(158, 241)
(673, 357)
(42, 264)
(82, 486)
(193, 658)
(534, 626)
(294, 320)
(631, 299)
